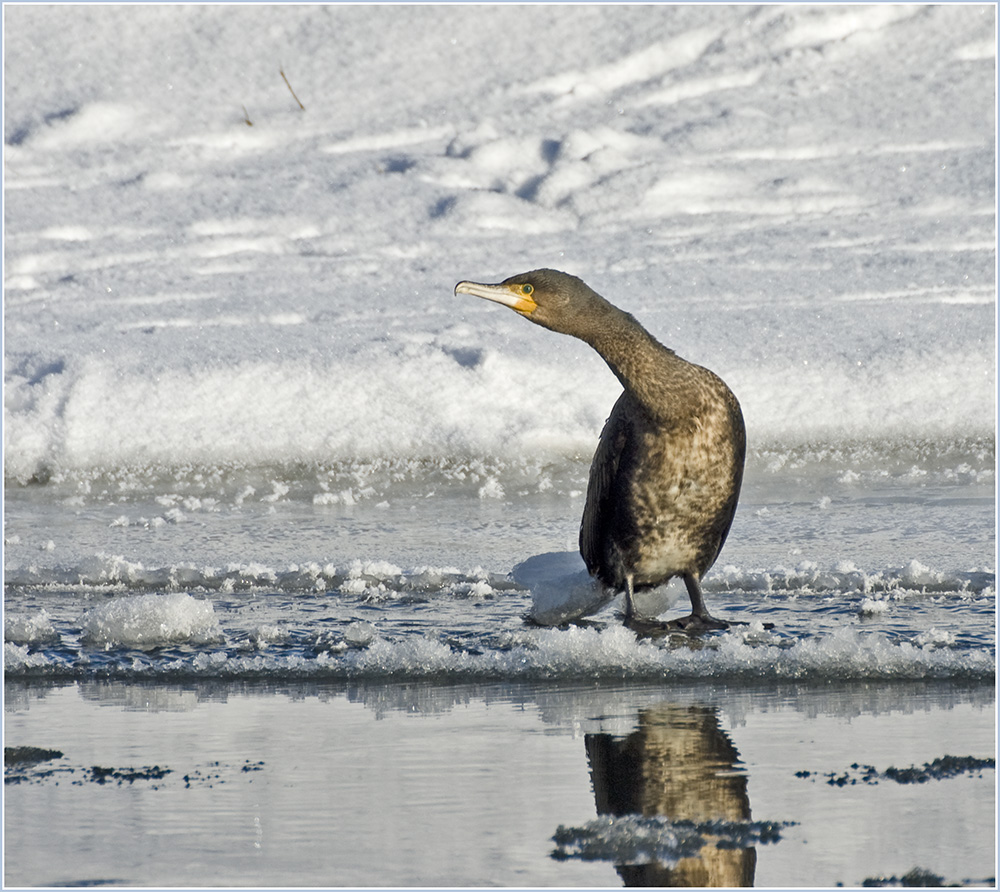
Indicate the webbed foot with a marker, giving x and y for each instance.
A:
(695, 624)
(689, 625)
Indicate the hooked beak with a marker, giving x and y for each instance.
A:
(508, 295)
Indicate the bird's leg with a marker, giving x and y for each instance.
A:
(693, 584)
(629, 598)
(700, 618)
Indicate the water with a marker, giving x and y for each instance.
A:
(351, 692)
(408, 782)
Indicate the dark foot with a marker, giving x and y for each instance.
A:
(646, 628)
(689, 625)
(694, 624)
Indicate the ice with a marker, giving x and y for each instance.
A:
(935, 638)
(28, 629)
(561, 588)
(19, 658)
(150, 621)
(491, 489)
(873, 606)
(844, 577)
(372, 569)
(563, 591)
(360, 634)
(752, 653)
(267, 634)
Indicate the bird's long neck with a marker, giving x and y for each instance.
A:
(643, 365)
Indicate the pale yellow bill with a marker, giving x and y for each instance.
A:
(508, 295)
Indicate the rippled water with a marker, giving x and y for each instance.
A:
(867, 566)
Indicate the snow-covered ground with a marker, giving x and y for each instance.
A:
(801, 198)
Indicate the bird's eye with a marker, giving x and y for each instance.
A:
(526, 289)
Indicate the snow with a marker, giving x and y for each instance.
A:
(799, 197)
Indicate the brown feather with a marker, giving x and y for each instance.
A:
(666, 476)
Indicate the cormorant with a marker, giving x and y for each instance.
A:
(666, 475)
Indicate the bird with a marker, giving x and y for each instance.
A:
(666, 475)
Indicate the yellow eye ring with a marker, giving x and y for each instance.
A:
(527, 289)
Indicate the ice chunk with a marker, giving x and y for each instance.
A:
(359, 634)
(34, 629)
(18, 658)
(561, 588)
(873, 606)
(151, 620)
(491, 489)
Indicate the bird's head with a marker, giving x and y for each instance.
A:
(547, 297)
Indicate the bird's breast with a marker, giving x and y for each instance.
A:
(678, 489)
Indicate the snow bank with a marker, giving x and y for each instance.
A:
(784, 194)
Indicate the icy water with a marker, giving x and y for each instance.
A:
(390, 716)
(415, 579)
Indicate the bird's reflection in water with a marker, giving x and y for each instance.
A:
(679, 764)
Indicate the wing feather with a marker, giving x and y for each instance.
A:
(739, 435)
(598, 512)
